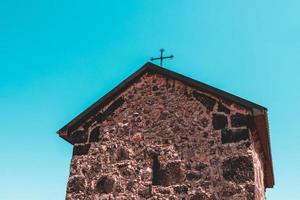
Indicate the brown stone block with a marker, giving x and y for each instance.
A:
(94, 135)
(238, 169)
(171, 173)
(234, 135)
(105, 184)
(219, 121)
(76, 184)
(239, 120)
(156, 111)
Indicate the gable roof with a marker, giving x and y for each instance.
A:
(260, 112)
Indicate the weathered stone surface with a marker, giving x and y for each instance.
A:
(171, 174)
(181, 189)
(230, 190)
(204, 122)
(219, 121)
(101, 116)
(105, 184)
(114, 106)
(145, 191)
(76, 184)
(122, 154)
(163, 116)
(199, 196)
(193, 176)
(125, 170)
(200, 166)
(95, 134)
(119, 188)
(207, 101)
(258, 163)
(238, 169)
(79, 136)
(81, 149)
(130, 185)
(154, 88)
(250, 189)
(234, 135)
(163, 190)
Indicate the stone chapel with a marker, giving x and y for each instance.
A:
(162, 135)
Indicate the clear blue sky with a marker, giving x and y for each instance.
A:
(57, 57)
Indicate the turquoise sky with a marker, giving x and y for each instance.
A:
(59, 56)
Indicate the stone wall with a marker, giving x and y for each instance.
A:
(161, 139)
(258, 162)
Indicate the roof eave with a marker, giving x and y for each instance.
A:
(150, 67)
(63, 132)
(261, 121)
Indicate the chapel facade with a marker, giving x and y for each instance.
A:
(161, 135)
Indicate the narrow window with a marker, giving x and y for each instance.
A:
(155, 169)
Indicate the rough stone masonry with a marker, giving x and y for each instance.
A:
(162, 139)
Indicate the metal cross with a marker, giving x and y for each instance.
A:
(161, 58)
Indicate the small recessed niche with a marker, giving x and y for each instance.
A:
(155, 169)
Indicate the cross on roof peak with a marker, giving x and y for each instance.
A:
(161, 58)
